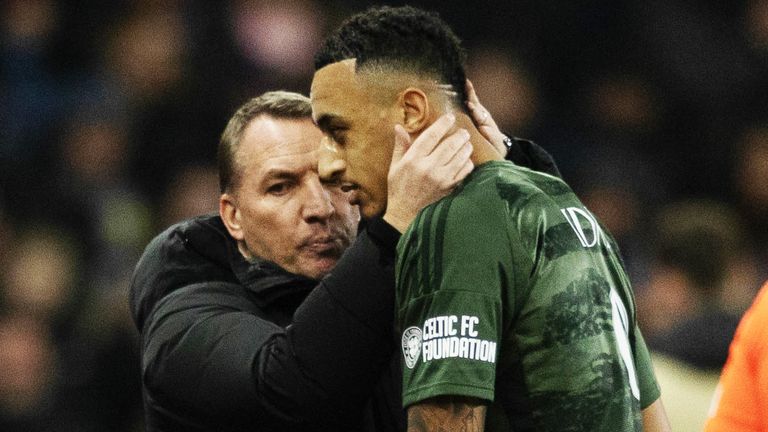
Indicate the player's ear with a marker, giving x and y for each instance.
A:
(230, 215)
(416, 110)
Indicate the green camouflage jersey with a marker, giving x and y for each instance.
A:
(509, 290)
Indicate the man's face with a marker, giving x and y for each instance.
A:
(285, 214)
(359, 134)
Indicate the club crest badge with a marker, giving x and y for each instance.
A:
(411, 346)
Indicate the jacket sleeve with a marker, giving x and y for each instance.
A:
(216, 361)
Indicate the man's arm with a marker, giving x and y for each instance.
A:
(448, 414)
(208, 357)
(468, 415)
(445, 276)
(655, 418)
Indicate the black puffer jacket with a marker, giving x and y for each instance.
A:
(229, 345)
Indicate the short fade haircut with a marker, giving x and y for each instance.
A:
(405, 37)
(277, 104)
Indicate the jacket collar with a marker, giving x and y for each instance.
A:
(268, 282)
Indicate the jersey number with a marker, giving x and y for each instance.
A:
(574, 216)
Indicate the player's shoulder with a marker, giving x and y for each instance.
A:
(511, 188)
(497, 194)
(522, 184)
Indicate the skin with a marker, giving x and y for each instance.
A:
(447, 414)
(356, 111)
(359, 134)
(280, 211)
(655, 418)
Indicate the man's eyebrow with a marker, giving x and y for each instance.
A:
(278, 173)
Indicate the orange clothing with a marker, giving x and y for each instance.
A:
(743, 387)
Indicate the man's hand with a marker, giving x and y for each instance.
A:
(484, 121)
(521, 152)
(422, 172)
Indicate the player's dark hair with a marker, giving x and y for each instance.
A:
(277, 104)
(404, 37)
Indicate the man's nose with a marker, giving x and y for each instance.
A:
(318, 206)
(330, 165)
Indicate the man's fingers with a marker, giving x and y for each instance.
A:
(431, 137)
(456, 169)
(455, 173)
(463, 171)
(450, 147)
(471, 95)
(484, 121)
(480, 115)
(465, 153)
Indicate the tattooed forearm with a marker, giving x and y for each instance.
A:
(447, 414)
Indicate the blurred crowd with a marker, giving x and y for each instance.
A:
(110, 112)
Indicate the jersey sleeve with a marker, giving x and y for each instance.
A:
(450, 276)
(649, 388)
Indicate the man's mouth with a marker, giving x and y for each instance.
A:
(322, 244)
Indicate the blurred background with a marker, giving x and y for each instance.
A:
(110, 112)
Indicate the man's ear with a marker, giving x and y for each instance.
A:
(416, 110)
(231, 217)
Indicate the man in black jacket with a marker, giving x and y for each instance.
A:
(243, 324)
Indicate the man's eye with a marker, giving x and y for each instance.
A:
(337, 134)
(279, 188)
